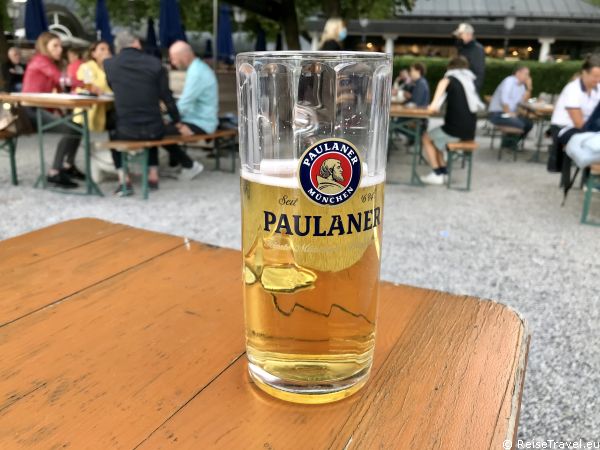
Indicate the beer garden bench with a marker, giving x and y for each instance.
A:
(102, 322)
(138, 151)
(510, 135)
(592, 181)
(465, 150)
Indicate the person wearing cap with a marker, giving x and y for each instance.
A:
(472, 50)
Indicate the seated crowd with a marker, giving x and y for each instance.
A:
(139, 83)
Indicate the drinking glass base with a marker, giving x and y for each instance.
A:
(309, 392)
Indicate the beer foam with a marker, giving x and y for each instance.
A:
(282, 173)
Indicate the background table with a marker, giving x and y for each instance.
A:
(61, 101)
(114, 337)
(540, 113)
(415, 119)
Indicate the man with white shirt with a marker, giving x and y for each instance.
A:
(574, 106)
(504, 106)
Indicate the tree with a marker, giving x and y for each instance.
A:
(288, 14)
(4, 20)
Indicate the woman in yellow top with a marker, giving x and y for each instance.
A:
(92, 74)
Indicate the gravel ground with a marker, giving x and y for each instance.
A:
(508, 240)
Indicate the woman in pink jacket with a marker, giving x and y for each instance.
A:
(43, 75)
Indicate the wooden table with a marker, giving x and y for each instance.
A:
(412, 126)
(540, 113)
(114, 337)
(61, 101)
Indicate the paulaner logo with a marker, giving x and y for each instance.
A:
(330, 171)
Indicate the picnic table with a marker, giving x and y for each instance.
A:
(540, 113)
(61, 101)
(116, 337)
(413, 125)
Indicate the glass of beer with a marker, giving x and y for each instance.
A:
(313, 143)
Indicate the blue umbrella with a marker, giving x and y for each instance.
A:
(170, 26)
(151, 45)
(35, 19)
(225, 49)
(261, 40)
(103, 22)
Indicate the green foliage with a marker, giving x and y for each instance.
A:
(546, 77)
(197, 14)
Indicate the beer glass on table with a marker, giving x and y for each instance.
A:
(313, 143)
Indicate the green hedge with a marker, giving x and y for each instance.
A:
(547, 77)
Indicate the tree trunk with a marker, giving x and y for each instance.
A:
(3, 42)
(289, 22)
(333, 8)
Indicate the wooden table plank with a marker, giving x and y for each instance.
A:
(425, 392)
(28, 287)
(48, 100)
(112, 364)
(152, 357)
(37, 245)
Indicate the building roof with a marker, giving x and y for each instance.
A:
(533, 9)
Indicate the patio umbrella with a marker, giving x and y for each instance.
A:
(170, 26)
(224, 37)
(35, 19)
(103, 23)
(261, 40)
(151, 45)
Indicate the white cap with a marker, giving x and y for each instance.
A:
(463, 28)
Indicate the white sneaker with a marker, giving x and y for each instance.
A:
(191, 173)
(433, 178)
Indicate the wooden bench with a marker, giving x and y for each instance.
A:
(138, 151)
(102, 322)
(9, 144)
(592, 181)
(511, 134)
(467, 148)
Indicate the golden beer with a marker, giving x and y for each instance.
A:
(311, 275)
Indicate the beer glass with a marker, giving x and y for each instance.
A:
(313, 142)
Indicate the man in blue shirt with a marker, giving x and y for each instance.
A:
(504, 106)
(417, 95)
(199, 101)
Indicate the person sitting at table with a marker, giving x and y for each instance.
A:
(43, 76)
(416, 95)
(503, 109)
(457, 88)
(92, 79)
(140, 82)
(574, 106)
(401, 85)
(74, 62)
(13, 70)
(199, 101)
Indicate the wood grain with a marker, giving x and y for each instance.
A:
(149, 354)
(28, 287)
(442, 379)
(37, 245)
(107, 367)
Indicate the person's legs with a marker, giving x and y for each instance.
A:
(153, 167)
(431, 153)
(434, 144)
